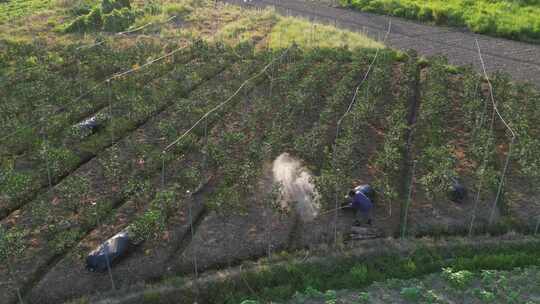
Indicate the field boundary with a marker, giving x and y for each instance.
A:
(521, 60)
(216, 282)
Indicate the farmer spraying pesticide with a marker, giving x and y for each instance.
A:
(361, 200)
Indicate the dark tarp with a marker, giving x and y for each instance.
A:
(89, 125)
(108, 252)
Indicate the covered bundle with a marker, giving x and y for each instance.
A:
(108, 252)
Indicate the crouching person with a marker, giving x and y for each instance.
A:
(362, 204)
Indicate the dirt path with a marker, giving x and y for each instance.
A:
(520, 60)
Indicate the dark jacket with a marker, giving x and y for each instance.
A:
(361, 202)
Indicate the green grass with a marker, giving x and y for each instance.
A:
(519, 285)
(282, 282)
(502, 272)
(13, 9)
(311, 35)
(517, 20)
(284, 31)
(252, 26)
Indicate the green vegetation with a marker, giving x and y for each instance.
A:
(486, 286)
(510, 19)
(437, 162)
(111, 16)
(68, 186)
(152, 223)
(13, 9)
(311, 35)
(506, 273)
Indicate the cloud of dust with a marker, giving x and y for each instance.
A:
(297, 190)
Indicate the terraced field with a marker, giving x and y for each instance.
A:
(173, 138)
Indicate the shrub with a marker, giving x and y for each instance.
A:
(96, 213)
(80, 8)
(360, 274)
(312, 292)
(459, 279)
(481, 23)
(65, 239)
(107, 6)
(163, 202)
(425, 14)
(89, 22)
(118, 20)
(111, 16)
(363, 297)
(411, 293)
(330, 295)
(94, 19)
(484, 295)
(178, 9)
(152, 8)
(409, 266)
(488, 277)
(147, 226)
(153, 222)
(11, 244)
(13, 183)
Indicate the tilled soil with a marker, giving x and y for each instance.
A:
(520, 60)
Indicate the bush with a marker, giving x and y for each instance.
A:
(411, 293)
(12, 244)
(80, 8)
(65, 239)
(13, 183)
(360, 274)
(484, 295)
(459, 279)
(111, 16)
(152, 8)
(312, 292)
(118, 20)
(178, 9)
(107, 6)
(86, 23)
(363, 297)
(147, 226)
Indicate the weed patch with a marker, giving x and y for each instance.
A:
(343, 273)
(111, 16)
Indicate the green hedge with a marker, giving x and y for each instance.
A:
(111, 16)
(518, 20)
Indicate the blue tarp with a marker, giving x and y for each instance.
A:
(108, 252)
